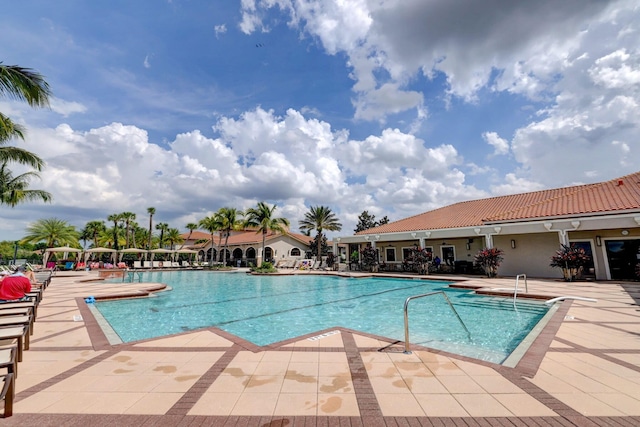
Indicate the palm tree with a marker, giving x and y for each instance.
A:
(173, 237)
(229, 221)
(320, 218)
(116, 218)
(163, 227)
(53, 231)
(92, 229)
(26, 85)
(151, 212)
(14, 189)
(211, 224)
(127, 217)
(191, 227)
(261, 218)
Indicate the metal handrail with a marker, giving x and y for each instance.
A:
(515, 292)
(406, 317)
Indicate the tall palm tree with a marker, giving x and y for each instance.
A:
(92, 229)
(163, 227)
(14, 189)
(127, 217)
(116, 218)
(320, 218)
(151, 212)
(261, 218)
(173, 237)
(22, 84)
(53, 231)
(191, 227)
(211, 224)
(229, 221)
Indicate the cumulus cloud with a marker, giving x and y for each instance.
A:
(66, 108)
(290, 160)
(500, 146)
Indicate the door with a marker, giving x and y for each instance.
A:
(623, 256)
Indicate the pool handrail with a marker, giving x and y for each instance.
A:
(552, 300)
(407, 349)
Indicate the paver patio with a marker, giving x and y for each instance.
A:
(582, 370)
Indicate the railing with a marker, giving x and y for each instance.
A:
(407, 349)
(515, 290)
(552, 300)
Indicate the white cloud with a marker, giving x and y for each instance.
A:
(66, 108)
(500, 146)
(220, 29)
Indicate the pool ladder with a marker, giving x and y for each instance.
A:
(407, 349)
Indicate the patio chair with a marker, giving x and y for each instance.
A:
(8, 393)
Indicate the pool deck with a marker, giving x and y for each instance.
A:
(583, 369)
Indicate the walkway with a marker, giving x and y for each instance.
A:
(582, 370)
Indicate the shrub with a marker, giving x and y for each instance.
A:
(571, 259)
(265, 267)
(490, 259)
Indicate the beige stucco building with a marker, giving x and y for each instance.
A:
(603, 218)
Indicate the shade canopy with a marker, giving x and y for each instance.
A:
(132, 251)
(186, 251)
(98, 250)
(64, 249)
(161, 251)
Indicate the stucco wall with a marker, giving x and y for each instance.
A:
(531, 255)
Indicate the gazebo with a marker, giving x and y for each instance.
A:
(88, 253)
(64, 249)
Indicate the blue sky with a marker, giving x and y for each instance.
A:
(392, 106)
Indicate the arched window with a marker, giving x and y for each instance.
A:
(237, 253)
(251, 253)
(295, 252)
(268, 253)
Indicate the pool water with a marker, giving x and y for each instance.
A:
(269, 309)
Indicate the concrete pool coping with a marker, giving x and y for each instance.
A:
(583, 369)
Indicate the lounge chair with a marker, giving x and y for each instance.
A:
(8, 393)
(69, 265)
(137, 264)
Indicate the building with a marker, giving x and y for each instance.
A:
(244, 246)
(603, 218)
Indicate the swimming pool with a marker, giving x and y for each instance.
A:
(269, 309)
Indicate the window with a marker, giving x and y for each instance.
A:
(295, 252)
(406, 253)
(390, 254)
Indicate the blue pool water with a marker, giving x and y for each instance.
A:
(268, 309)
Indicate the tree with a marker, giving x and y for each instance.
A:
(151, 212)
(92, 229)
(116, 218)
(366, 221)
(53, 231)
(320, 218)
(27, 85)
(22, 84)
(163, 227)
(261, 218)
(127, 217)
(14, 189)
(211, 224)
(229, 221)
(191, 227)
(173, 237)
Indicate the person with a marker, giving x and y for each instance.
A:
(15, 286)
(436, 262)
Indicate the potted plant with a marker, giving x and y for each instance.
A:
(571, 259)
(490, 259)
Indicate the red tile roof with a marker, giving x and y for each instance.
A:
(246, 238)
(615, 196)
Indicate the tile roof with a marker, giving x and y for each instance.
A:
(246, 238)
(614, 196)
